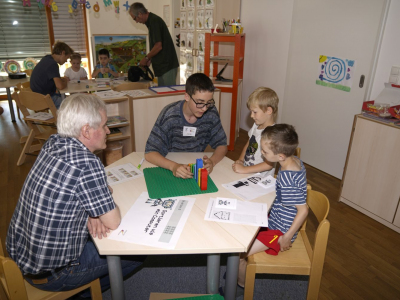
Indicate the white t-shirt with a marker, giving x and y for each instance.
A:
(253, 152)
(72, 75)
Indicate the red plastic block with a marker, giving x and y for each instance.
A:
(203, 181)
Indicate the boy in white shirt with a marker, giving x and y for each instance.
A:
(75, 72)
(263, 105)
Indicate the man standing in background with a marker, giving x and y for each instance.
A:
(162, 53)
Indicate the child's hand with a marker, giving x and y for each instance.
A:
(239, 161)
(208, 164)
(285, 242)
(182, 171)
(106, 70)
(238, 167)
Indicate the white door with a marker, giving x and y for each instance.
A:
(323, 116)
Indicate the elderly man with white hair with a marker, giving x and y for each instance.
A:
(65, 196)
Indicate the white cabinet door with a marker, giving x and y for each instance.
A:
(323, 116)
(373, 169)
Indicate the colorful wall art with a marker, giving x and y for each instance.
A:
(336, 72)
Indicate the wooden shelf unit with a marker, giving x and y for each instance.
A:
(238, 60)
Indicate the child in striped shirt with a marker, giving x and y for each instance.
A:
(278, 144)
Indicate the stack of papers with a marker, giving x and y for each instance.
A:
(109, 94)
(135, 93)
(252, 187)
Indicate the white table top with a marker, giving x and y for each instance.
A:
(12, 82)
(198, 236)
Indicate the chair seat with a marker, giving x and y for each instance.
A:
(37, 294)
(293, 261)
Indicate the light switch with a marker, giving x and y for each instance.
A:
(395, 70)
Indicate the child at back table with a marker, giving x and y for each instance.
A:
(75, 72)
(289, 210)
(263, 105)
(104, 69)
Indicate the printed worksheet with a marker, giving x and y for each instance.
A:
(154, 222)
(135, 93)
(122, 173)
(236, 211)
(252, 187)
(109, 94)
(40, 116)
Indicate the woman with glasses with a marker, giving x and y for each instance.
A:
(189, 125)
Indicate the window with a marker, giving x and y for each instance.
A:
(23, 31)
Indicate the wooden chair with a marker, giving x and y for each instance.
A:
(36, 102)
(301, 259)
(13, 286)
(26, 86)
(28, 72)
(131, 86)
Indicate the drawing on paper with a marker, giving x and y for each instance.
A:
(222, 215)
(336, 72)
(166, 203)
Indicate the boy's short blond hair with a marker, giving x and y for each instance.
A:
(282, 139)
(59, 47)
(264, 97)
(76, 56)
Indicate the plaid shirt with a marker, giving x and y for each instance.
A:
(65, 186)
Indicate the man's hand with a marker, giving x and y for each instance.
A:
(182, 171)
(208, 164)
(238, 167)
(97, 228)
(285, 242)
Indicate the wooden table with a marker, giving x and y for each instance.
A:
(198, 236)
(82, 87)
(7, 84)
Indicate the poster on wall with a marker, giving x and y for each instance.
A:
(336, 72)
(125, 50)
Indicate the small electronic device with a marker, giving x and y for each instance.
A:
(220, 78)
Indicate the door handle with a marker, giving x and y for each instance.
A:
(361, 84)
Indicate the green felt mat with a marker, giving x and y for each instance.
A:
(161, 183)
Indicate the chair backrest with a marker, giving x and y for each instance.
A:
(28, 72)
(25, 86)
(34, 101)
(131, 86)
(297, 152)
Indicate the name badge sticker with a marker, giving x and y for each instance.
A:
(189, 131)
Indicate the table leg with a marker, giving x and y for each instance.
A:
(232, 269)
(213, 264)
(115, 274)
(10, 104)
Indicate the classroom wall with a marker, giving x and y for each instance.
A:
(267, 26)
(390, 49)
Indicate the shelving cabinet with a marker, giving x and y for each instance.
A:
(371, 176)
(234, 87)
(121, 107)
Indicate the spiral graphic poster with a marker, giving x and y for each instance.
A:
(336, 72)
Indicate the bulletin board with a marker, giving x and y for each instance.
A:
(125, 50)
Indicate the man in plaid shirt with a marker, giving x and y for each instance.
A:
(65, 196)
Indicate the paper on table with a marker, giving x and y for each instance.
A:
(109, 94)
(154, 222)
(180, 88)
(122, 173)
(162, 89)
(235, 211)
(85, 81)
(135, 93)
(252, 187)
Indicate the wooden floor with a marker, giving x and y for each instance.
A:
(363, 256)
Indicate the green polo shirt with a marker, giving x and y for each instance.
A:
(166, 59)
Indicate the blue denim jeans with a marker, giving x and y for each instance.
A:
(57, 99)
(91, 266)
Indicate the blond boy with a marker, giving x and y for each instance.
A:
(263, 105)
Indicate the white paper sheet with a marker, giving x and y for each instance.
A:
(84, 81)
(122, 173)
(154, 222)
(135, 93)
(235, 211)
(252, 187)
(109, 94)
(40, 116)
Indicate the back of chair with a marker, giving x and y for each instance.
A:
(28, 72)
(319, 204)
(131, 86)
(34, 101)
(25, 86)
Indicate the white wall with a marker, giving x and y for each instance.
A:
(267, 26)
(390, 49)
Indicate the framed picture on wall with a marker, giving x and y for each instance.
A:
(125, 50)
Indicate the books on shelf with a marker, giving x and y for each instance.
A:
(116, 120)
(114, 132)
